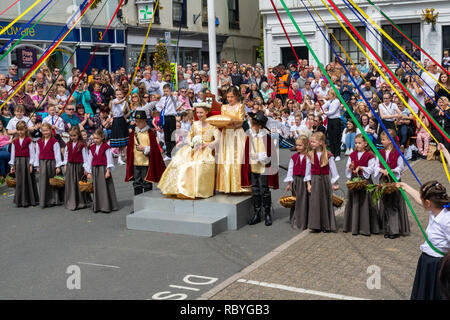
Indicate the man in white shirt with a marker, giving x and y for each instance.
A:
(431, 83)
(168, 107)
(322, 91)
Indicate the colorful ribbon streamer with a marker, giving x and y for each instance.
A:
(19, 17)
(9, 7)
(43, 58)
(375, 150)
(24, 26)
(396, 27)
(140, 57)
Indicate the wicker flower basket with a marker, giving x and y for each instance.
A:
(356, 185)
(389, 188)
(10, 180)
(287, 201)
(338, 201)
(85, 185)
(57, 181)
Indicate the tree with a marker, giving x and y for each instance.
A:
(161, 59)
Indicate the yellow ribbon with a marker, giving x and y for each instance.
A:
(20, 16)
(395, 43)
(387, 80)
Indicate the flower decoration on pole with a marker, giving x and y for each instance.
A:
(430, 17)
(161, 58)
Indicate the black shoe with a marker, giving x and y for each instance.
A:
(138, 191)
(386, 236)
(268, 219)
(393, 236)
(256, 217)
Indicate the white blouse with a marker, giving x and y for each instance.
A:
(56, 151)
(56, 121)
(367, 171)
(109, 160)
(438, 232)
(32, 152)
(331, 164)
(84, 153)
(397, 170)
(290, 173)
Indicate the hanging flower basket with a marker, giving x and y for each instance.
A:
(430, 17)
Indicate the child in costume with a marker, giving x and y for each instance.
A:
(22, 161)
(144, 161)
(48, 164)
(298, 166)
(361, 216)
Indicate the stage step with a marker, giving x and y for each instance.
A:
(205, 226)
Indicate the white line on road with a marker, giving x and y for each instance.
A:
(98, 265)
(185, 288)
(300, 290)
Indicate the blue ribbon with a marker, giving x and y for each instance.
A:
(446, 206)
(24, 27)
(366, 24)
(362, 95)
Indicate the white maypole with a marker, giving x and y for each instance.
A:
(212, 46)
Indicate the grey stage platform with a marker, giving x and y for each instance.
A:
(203, 217)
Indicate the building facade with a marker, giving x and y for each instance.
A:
(237, 30)
(407, 14)
(77, 47)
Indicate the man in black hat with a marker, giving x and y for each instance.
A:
(259, 159)
(144, 161)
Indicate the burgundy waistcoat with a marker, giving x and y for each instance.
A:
(100, 158)
(363, 162)
(75, 156)
(24, 149)
(393, 158)
(316, 169)
(46, 152)
(299, 166)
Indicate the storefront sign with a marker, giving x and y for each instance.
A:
(26, 57)
(39, 32)
(145, 12)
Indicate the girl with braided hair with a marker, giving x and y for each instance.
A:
(434, 198)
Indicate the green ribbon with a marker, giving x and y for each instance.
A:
(350, 112)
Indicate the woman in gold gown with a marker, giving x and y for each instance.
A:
(189, 174)
(231, 147)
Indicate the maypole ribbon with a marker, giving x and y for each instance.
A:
(9, 7)
(44, 57)
(295, 54)
(67, 62)
(396, 44)
(375, 150)
(24, 26)
(89, 62)
(140, 57)
(386, 79)
(396, 27)
(26, 33)
(394, 143)
(19, 17)
(373, 31)
(438, 127)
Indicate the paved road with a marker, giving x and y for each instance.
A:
(38, 246)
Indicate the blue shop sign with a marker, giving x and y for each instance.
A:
(42, 32)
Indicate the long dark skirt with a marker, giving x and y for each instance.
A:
(26, 187)
(105, 199)
(426, 284)
(74, 199)
(321, 212)
(361, 215)
(50, 196)
(119, 133)
(299, 218)
(393, 214)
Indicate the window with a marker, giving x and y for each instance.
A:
(156, 10)
(446, 38)
(233, 14)
(412, 30)
(348, 44)
(177, 11)
(204, 13)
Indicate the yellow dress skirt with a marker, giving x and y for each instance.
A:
(231, 153)
(191, 172)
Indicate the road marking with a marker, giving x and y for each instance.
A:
(99, 265)
(300, 290)
(185, 288)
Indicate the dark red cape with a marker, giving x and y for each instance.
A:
(156, 164)
(246, 167)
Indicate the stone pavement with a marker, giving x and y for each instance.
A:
(336, 263)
